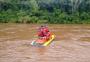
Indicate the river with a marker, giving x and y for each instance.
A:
(72, 43)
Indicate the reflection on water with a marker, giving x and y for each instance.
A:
(41, 50)
(72, 43)
(85, 39)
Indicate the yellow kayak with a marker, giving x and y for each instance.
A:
(46, 43)
(49, 41)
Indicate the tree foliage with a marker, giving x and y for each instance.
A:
(45, 11)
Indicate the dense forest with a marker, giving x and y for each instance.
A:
(45, 11)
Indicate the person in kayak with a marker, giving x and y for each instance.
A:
(43, 34)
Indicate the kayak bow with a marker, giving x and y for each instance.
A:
(49, 41)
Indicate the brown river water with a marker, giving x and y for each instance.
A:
(72, 43)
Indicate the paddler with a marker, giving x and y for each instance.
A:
(43, 34)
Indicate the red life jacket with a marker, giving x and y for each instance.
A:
(44, 32)
(40, 32)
